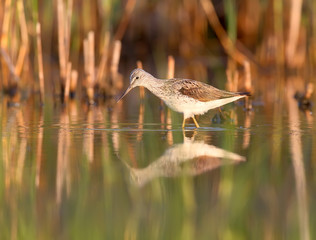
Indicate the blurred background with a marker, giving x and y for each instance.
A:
(275, 38)
(74, 164)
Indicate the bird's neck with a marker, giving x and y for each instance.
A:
(154, 85)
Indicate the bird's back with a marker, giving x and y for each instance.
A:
(200, 91)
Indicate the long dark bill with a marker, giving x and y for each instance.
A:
(126, 92)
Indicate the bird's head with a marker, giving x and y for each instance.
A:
(137, 78)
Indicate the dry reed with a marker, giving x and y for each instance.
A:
(73, 83)
(61, 39)
(139, 64)
(226, 42)
(116, 57)
(235, 81)
(294, 29)
(248, 84)
(15, 43)
(68, 28)
(6, 24)
(6, 61)
(91, 62)
(25, 42)
(40, 62)
(232, 75)
(130, 5)
(89, 66)
(8, 64)
(170, 74)
(247, 81)
(171, 65)
(101, 73)
(309, 90)
(64, 15)
(86, 56)
(116, 78)
(141, 113)
(68, 82)
(12, 55)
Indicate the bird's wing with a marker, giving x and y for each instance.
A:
(201, 91)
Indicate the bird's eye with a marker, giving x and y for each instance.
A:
(137, 77)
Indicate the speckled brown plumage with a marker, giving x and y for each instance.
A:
(201, 91)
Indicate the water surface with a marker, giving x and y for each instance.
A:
(128, 171)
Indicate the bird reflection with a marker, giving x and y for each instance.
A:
(188, 158)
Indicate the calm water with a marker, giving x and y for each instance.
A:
(128, 171)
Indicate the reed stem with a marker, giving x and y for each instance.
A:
(171, 65)
(73, 83)
(4, 38)
(116, 57)
(61, 39)
(68, 29)
(130, 5)
(68, 79)
(24, 35)
(139, 64)
(294, 29)
(89, 66)
(40, 62)
(10, 65)
(104, 58)
(248, 83)
(116, 78)
(220, 32)
(91, 57)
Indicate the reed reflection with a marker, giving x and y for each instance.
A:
(88, 136)
(63, 166)
(192, 157)
(39, 149)
(298, 160)
(14, 144)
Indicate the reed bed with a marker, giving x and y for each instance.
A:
(187, 30)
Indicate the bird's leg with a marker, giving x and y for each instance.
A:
(183, 123)
(195, 122)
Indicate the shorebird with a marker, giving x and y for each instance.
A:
(186, 96)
